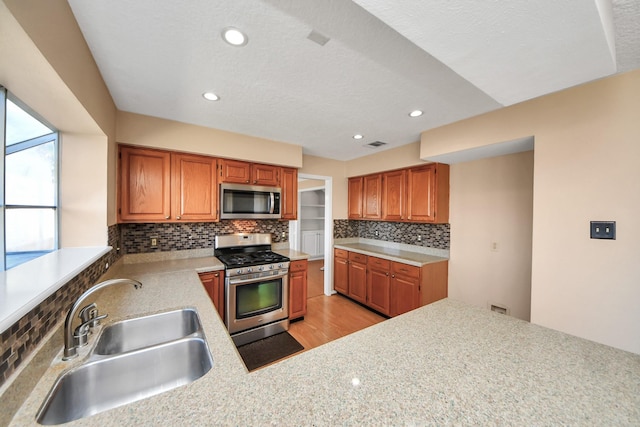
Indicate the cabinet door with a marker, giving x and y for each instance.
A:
(235, 171)
(421, 193)
(145, 185)
(378, 290)
(297, 289)
(265, 175)
(309, 242)
(393, 195)
(214, 285)
(195, 193)
(372, 195)
(405, 294)
(289, 200)
(355, 198)
(358, 281)
(340, 272)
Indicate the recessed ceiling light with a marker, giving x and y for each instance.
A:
(415, 113)
(234, 36)
(357, 136)
(210, 96)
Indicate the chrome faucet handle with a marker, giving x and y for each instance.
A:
(88, 312)
(81, 333)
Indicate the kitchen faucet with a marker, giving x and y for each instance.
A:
(89, 317)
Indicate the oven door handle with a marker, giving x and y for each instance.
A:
(256, 279)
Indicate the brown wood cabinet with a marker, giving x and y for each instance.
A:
(355, 198)
(378, 285)
(289, 200)
(394, 195)
(372, 197)
(297, 289)
(417, 194)
(341, 271)
(240, 172)
(391, 288)
(405, 288)
(213, 283)
(428, 193)
(358, 277)
(161, 186)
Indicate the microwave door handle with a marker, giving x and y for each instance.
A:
(272, 202)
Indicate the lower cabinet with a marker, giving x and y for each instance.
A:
(213, 283)
(389, 287)
(341, 271)
(297, 289)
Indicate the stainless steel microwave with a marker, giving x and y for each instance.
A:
(239, 201)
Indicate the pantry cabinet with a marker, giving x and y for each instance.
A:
(161, 186)
(297, 289)
(239, 172)
(213, 283)
(389, 287)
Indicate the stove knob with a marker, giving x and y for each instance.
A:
(281, 266)
(248, 270)
(260, 268)
(239, 271)
(271, 267)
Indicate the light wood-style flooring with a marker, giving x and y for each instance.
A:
(328, 318)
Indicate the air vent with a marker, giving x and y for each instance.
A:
(316, 37)
(375, 144)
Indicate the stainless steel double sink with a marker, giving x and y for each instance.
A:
(132, 360)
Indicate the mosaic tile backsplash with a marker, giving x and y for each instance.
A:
(432, 235)
(136, 238)
(23, 336)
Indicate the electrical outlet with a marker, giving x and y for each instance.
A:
(106, 266)
(419, 238)
(376, 233)
(154, 241)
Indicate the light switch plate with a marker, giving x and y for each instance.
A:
(603, 230)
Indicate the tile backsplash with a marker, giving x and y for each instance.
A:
(432, 235)
(136, 238)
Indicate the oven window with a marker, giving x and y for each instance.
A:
(258, 298)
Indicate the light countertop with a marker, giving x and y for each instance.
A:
(445, 363)
(417, 259)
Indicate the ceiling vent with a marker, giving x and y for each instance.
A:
(316, 37)
(375, 144)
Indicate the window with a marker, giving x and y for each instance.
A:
(30, 200)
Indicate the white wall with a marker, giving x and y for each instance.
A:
(492, 202)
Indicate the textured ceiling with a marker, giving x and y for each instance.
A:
(384, 58)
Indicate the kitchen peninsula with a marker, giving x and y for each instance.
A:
(446, 363)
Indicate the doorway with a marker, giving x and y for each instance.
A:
(313, 230)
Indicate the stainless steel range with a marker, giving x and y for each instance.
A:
(256, 286)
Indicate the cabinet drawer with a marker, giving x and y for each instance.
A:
(379, 263)
(405, 269)
(356, 257)
(299, 265)
(341, 253)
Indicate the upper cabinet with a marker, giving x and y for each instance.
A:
(249, 173)
(160, 186)
(289, 200)
(355, 198)
(416, 194)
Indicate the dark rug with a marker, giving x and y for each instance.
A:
(259, 353)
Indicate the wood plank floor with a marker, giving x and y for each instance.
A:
(329, 318)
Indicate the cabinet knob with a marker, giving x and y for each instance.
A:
(247, 181)
(387, 274)
(178, 217)
(167, 217)
(393, 276)
(216, 275)
(255, 181)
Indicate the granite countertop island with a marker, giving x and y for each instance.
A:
(445, 363)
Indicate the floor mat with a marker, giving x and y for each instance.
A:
(267, 350)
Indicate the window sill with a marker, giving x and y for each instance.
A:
(24, 287)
